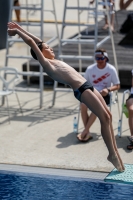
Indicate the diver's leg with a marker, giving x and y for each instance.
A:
(95, 105)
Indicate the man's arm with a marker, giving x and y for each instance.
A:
(105, 91)
(115, 81)
(13, 25)
(114, 87)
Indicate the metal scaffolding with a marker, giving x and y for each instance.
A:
(94, 40)
(31, 7)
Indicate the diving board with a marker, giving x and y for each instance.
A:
(125, 177)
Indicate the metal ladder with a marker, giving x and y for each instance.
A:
(28, 7)
(94, 40)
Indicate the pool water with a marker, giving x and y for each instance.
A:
(27, 186)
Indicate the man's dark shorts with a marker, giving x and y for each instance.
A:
(107, 99)
(130, 97)
(85, 86)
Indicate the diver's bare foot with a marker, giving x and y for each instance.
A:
(114, 159)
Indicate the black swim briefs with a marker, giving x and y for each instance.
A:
(85, 86)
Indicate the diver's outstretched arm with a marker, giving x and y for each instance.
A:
(30, 42)
(13, 25)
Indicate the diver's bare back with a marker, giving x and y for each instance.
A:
(64, 73)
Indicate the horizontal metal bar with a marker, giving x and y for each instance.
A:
(27, 89)
(30, 8)
(19, 57)
(26, 8)
(63, 90)
(76, 37)
(30, 24)
(48, 21)
(49, 10)
(80, 8)
(29, 73)
(88, 36)
(15, 40)
(99, 13)
(91, 36)
(77, 24)
(104, 3)
(73, 57)
(78, 41)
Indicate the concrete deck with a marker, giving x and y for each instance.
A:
(44, 137)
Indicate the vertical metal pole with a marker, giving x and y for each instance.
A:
(60, 49)
(7, 45)
(41, 69)
(28, 62)
(62, 29)
(79, 45)
(54, 92)
(111, 34)
(96, 27)
(113, 46)
(57, 30)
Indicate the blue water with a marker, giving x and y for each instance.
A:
(25, 186)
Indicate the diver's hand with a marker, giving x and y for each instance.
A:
(13, 25)
(12, 32)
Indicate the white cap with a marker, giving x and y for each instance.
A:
(106, 55)
(103, 53)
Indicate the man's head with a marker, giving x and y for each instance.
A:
(101, 56)
(45, 49)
